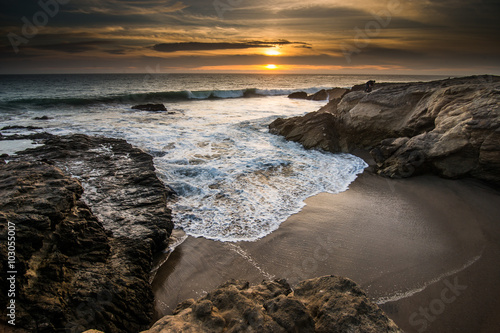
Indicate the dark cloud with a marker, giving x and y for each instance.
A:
(76, 47)
(198, 46)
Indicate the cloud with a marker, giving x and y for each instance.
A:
(198, 46)
(74, 47)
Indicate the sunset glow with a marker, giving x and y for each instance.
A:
(178, 36)
(271, 66)
(272, 52)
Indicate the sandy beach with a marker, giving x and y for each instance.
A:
(426, 249)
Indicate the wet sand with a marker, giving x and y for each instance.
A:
(425, 248)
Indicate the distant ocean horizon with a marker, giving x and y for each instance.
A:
(235, 180)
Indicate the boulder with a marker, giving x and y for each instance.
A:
(325, 304)
(150, 107)
(298, 95)
(321, 95)
(447, 127)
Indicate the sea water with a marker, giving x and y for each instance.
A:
(235, 181)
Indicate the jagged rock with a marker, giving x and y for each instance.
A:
(150, 107)
(70, 274)
(86, 245)
(319, 96)
(298, 95)
(336, 93)
(325, 304)
(120, 183)
(448, 127)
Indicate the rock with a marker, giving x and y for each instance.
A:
(325, 304)
(30, 128)
(70, 274)
(150, 107)
(298, 95)
(86, 245)
(336, 93)
(121, 186)
(319, 96)
(448, 127)
(42, 118)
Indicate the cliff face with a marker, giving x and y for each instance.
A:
(325, 304)
(76, 267)
(449, 127)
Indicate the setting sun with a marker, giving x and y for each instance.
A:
(271, 66)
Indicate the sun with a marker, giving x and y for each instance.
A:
(271, 66)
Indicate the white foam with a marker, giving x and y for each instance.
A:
(235, 180)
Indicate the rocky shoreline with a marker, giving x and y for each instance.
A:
(90, 213)
(449, 127)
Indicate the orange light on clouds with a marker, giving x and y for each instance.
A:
(272, 52)
(271, 66)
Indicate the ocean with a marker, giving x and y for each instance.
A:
(235, 181)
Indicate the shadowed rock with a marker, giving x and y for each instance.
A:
(298, 95)
(84, 243)
(150, 107)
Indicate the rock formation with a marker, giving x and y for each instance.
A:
(150, 107)
(298, 95)
(330, 94)
(84, 243)
(448, 127)
(326, 304)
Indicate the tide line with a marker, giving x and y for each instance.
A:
(247, 257)
(400, 295)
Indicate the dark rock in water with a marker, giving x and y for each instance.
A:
(319, 96)
(298, 95)
(20, 127)
(150, 107)
(448, 127)
(85, 246)
(122, 188)
(42, 118)
(325, 304)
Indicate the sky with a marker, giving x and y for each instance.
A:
(450, 37)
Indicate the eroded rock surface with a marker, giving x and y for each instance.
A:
(448, 127)
(89, 213)
(325, 304)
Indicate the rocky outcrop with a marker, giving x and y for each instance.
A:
(326, 304)
(89, 214)
(120, 183)
(448, 127)
(330, 94)
(150, 107)
(298, 95)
